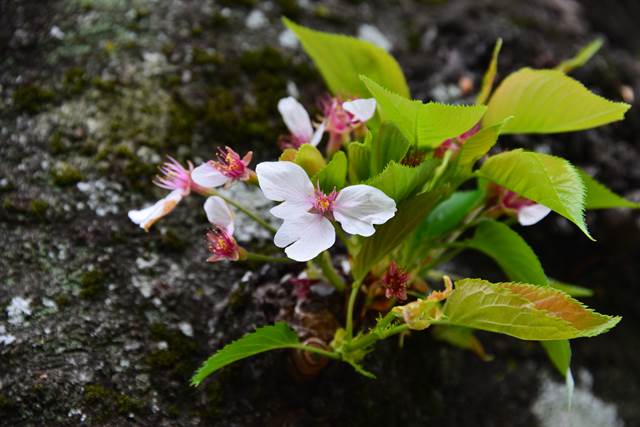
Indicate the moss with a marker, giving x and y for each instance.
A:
(238, 3)
(104, 85)
(214, 400)
(91, 283)
(178, 360)
(171, 240)
(107, 401)
(197, 30)
(74, 81)
(262, 59)
(62, 301)
(8, 204)
(56, 144)
(31, 98)
(205, 57)
(64, 174)
(219, 21)
(38, 208)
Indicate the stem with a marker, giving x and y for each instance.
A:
(371, 338)
(312, 349)
(330, 273)
(251, 256)
(248, 212)
(355, 287)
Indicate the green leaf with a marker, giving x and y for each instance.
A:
(341, 59)
(581, 57)
(528, 312)
(548, 180)
(388, 145)
(426, 125)
(448, 214)
(271, 337)
(489, 75)
(390, 234)
(600, 197)
(560, 354)
(334, 175)
(359, 160)
(310, 159)
(549, 101)
(571, 290)
(479, 145)
(510, 251)
(462, 338)
(400, 181)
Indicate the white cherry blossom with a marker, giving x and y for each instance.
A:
(308, 212)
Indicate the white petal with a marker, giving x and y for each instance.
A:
(358, 207)
(317, 136)
(308, 235)
(291, 209)
(148, 216)
(284, 181)
(296, 118)
(362, 109)
(219, 214)
(207, 176)
(532, 214)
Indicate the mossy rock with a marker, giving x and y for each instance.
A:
(31, 98)
(65, 174)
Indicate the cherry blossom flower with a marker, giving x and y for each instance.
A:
(308, 213)
(343, 117)
(227, 169)
(173, 176)
(220, 241)
(394, 281)
(297, 120)
(454, 144)
(511, 203)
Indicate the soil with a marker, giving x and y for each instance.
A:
(93, 93)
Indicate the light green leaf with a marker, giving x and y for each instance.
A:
(334, 175)
(390, 234)
(560, 354)
(399, 181)
(437, 122)
(528, 312)
(271, 337)
(388, 145)
(359, 160)
(342, 59)
(600, 197)
(581, 57)
(510, 251)
(489, 75)
(548, 180)
(310, 159)
(549, 101)
(479, 145)
(426, 125)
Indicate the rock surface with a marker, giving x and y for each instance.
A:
(103, 324)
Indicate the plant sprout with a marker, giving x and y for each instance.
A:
(388, 184)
